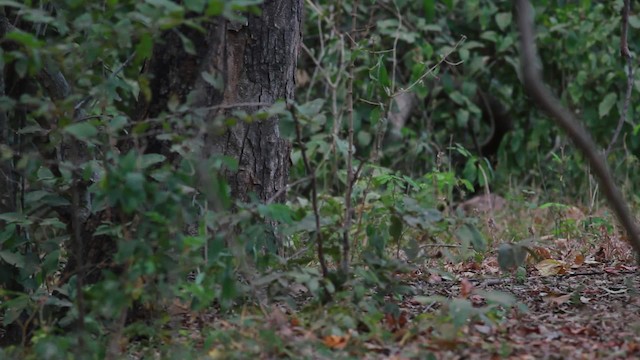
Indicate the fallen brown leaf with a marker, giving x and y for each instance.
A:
(558, 300)
(465, 288)
(336, 342)
(549, 267)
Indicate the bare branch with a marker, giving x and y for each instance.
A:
(626, 55)
(434, 67)
(566, 120)
(350, 174)
(314, 191)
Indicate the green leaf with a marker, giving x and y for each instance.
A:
(21, 66)
(510, 256)
(167, 4)
(35, 196)
(470, 171)
(7, 233)
(82, 130)
(460, 311)
(429, 9)
(15, 4)
(489, 35)
(134, 182)
(277, 212)
(364, 138)
(53, 222)
(194, 242)
(462, 117)
(57, 302)
(485, 173)
(449, 4)
(12, 258)
(506, 260)
(634, 21)
(379, 73)
(215, 8)
(374, 116)
(144, 47)
(195, 5)
(458, 98)
(497, 297)
(50, 262)
(311, 108)
(430, 300)
(24, 38)
(228, 286)
(412, 250)
(503, 20)
(187, 44)
(606, 104)
(14, 309)
(469, 233)
(395, 229)
(151, 159)
(17, 218)
(118, 123)
(213, 79)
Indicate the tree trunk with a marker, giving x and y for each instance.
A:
(256, 62)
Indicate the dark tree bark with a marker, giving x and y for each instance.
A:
(8, 142)
(8, 180)
(257, 62)
(8, 198)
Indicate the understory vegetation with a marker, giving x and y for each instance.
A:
(431, 210)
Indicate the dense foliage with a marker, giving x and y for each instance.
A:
(404, 47)
(181, 239)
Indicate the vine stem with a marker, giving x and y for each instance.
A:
(626, 55)
(350, 173)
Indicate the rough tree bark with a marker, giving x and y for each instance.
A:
(257, 62)
(8, 181)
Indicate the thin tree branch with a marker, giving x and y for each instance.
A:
(626, 55)
(350, 174)
(566, 120)
(314, 190)
(284, 189)
(433, 68)
(78, 253)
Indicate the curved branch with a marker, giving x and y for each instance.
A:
(566, 120)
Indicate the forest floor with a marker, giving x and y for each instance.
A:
(578, 299)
